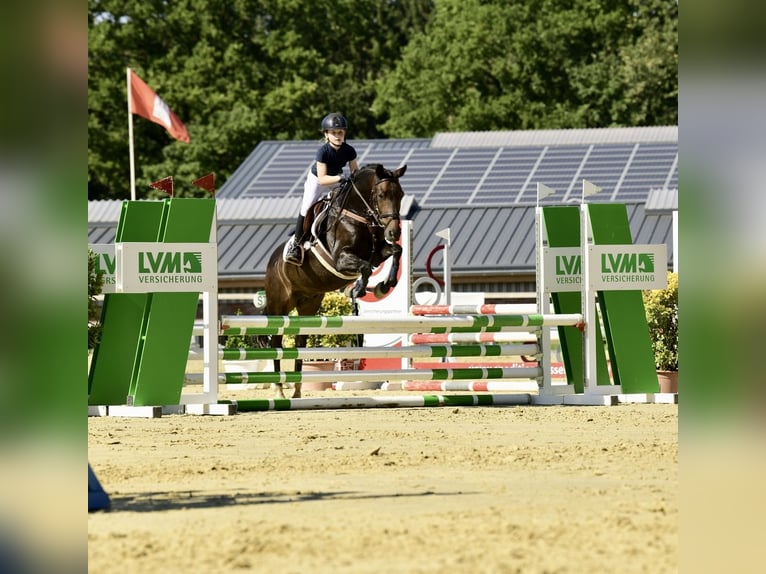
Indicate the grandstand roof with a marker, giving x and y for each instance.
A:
(486, 168)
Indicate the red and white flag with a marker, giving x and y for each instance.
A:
(145, 103)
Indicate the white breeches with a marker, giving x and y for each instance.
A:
(312, 191)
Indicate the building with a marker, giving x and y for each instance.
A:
(481, 185)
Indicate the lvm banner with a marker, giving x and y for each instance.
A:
(612, 268)
(105, 264)
(165, 267)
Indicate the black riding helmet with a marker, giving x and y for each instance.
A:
(334, 121)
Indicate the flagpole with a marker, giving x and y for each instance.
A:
(130, 137)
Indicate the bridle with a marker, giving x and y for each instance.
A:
(372, 217)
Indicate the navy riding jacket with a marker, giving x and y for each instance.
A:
(334, 159)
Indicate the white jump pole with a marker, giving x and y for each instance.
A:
(544, 335)
(445, 234)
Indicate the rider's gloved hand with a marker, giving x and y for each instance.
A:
(343, 180)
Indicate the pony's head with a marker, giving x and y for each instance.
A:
(386, 198)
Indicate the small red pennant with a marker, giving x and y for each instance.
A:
(165, 184)
(206, 182)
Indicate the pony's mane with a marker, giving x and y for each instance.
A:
(374, 168)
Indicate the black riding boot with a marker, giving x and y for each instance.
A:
(294, 251)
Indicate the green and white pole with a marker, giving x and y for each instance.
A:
(318, 325)
(470, 373)
(412, 352)
(407, 401)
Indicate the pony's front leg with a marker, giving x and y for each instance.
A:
(349, 263)
(360, 287)
(393, 275)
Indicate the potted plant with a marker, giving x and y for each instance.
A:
(661, 306)
(334, 304)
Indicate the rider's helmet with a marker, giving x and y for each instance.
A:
(334, 121)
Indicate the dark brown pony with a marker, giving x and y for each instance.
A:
(359, 232)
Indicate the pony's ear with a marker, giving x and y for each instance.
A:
(400, 172)
(380, 171)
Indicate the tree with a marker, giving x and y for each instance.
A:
(236, 72)
(536, 64)
(241, 71)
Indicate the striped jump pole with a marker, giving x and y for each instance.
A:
(472, 386)
(471, 373)
(478, 309)
(412, 352)
(461, 338)
(379, 401)
(321, 325)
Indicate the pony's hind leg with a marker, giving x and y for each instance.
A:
(306, 306)
(278, 388)
(300, 341)
(276, 343)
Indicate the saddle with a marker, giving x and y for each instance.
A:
(315, 222)
(315, 230)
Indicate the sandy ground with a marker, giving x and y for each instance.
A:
(407, 490)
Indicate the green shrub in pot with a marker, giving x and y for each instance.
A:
(661, 307)
(334, 304)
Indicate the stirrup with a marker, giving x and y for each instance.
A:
(293, 253)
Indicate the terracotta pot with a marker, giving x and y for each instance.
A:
(668, 381)
(319, 366)
(347, 365)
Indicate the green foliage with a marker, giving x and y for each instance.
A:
(95, 285)
(662, 316)
(238, 72)
(240, 341)
(235, 72)
(539, 64)
(334, 304)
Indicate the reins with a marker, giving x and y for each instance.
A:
(372, 214)
(372, 219)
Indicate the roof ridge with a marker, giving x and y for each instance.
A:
(573, 136)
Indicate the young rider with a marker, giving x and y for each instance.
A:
(327, 171)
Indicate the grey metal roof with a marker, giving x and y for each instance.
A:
(101, 210)
(487, 168)
(102, 232)
(278, 168)
(667, 134)
(662, 200)
(501, 240)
